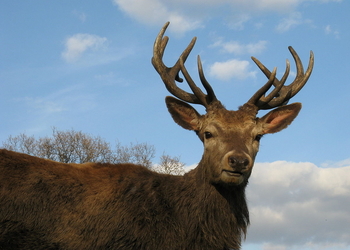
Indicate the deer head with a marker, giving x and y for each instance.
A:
(230, 138)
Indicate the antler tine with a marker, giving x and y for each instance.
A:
(267, 72)
(259, 99)
(171, 75)
(197, 91)
(301, 78)
(284, 93)
(211, 95)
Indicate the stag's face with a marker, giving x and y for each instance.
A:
(230, 138)
(231, 142)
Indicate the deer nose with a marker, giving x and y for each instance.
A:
(238, 162)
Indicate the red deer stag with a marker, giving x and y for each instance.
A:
(51, 205)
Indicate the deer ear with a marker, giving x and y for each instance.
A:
(183, 114)
(279, 118)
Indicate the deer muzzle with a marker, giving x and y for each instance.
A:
(236, 164)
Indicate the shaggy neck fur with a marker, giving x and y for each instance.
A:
(221, 210)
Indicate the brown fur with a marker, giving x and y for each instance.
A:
(51, 205)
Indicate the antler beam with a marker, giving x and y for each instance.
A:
(171, 75)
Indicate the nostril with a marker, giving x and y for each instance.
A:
(233, 161)
(245, 162)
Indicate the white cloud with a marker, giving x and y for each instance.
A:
(77, 44)
(330, 31)
(292, 21)
(188, 15)
(275, 5)
(238, 21)
(60, 102)
(190, 167)
(231, 69)
(339, 164)
(80, 15)
(296, 205)
(156, 12)
(239, 49)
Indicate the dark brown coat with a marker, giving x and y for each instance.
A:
(51, 205)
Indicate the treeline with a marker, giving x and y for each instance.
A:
(72, 146)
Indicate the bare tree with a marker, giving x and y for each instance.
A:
(140, 153)
(76, 146)
(21, 143)
(72, 146)
(45, 148)
(170, 165)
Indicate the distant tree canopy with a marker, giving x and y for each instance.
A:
(170, 165)
(77, 147)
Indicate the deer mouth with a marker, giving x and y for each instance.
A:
(233, 173)
(232, 177)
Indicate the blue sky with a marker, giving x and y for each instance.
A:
(86, 65)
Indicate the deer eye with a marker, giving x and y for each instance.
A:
(258, 137)
(208, 135)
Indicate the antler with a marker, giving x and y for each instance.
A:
(281, 94)
(171, 75)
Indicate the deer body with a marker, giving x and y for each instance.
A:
(51, 205)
